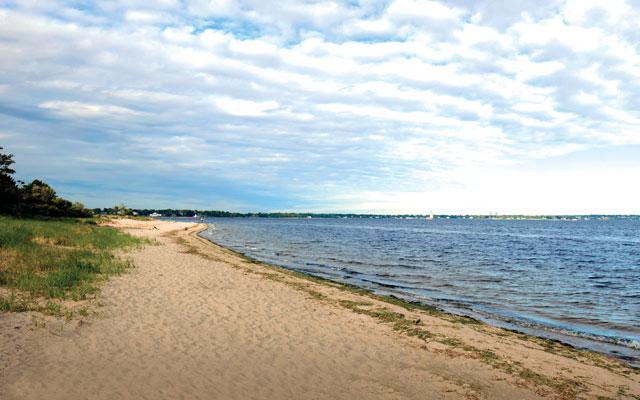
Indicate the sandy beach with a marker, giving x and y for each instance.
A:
(193, 320)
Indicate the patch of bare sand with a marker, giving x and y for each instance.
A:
(194, 320)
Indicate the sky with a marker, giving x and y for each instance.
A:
(401, 106)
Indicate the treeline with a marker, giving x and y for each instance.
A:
(189, 213)
(32, 199)
(171, 212)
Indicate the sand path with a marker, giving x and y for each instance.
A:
(186, 326)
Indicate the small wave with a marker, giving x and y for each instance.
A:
(385, 284)
(606, 285)
(634, 344)
(443, 285)
(348, 271)
(486, 280)
(406, 266)
(562, 333)
(312, 264)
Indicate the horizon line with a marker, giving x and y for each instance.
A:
(346, 213)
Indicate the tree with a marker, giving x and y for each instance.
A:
(38, 198)
(5, 162)
(79, 210)
(8, 186)
(121, 209)
(35, 198)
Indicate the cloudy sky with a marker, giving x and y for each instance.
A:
(514, 106)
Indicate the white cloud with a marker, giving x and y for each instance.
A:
(591, 74)
(321, 97)
(557, 31)
(472, 34)
(421, 11)
(526, 69)
(245, 108)
(144, 17)
(588, 98)
(577, 11)
(87, 110)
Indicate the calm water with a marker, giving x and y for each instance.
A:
(577, 281)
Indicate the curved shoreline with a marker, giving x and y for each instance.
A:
(575, 340)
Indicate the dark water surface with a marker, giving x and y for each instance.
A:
(576, 281)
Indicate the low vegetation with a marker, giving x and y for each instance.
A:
(55, 259)
(50, 250)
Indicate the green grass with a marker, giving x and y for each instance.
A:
(56, 258)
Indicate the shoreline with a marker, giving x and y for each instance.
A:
(196, 319)
(571, 339)
(552, 345)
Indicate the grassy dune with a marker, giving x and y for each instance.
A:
(43, 260)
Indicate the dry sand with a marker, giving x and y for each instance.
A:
(196, 321)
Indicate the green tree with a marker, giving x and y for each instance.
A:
(38, 198)
(121, 209)
(8, 187)
(79, 210)
(35, 198)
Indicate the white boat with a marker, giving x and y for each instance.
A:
(155, 215)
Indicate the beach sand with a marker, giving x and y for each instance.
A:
(195, 321)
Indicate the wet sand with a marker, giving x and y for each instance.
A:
(193, 320)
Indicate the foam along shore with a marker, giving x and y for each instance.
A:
(195, 320)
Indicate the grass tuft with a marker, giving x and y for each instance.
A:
(56, 259)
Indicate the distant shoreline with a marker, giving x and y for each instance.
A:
(198, 213)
